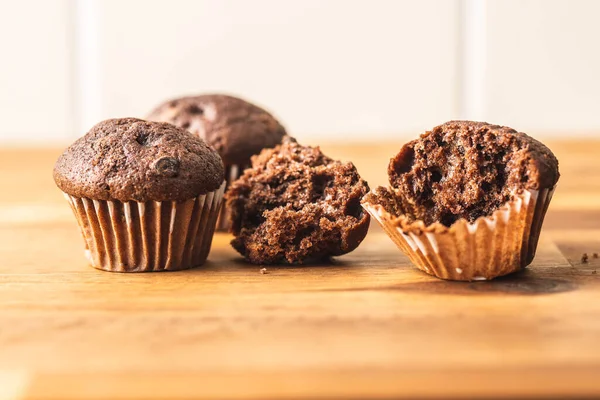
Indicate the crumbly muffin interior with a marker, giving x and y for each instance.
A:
(462, 170)
(297, 205)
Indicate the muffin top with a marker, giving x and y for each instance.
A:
(465, 169)
(297, 205)
(235, 128)
(129, 159)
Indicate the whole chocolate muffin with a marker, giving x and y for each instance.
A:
(129, 159)
(488, 179)
(236, 128)
(297, 205)
(146, 194)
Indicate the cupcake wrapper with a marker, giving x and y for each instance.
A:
(150, 236)
(489, 247)
(232, 173)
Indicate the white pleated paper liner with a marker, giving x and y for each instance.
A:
(150, 236)
(232, 173)
(489, 247)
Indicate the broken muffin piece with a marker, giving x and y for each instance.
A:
(297, 205)
(467, 200)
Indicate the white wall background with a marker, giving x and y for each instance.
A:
(350, 69)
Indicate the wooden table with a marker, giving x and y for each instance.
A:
(369, 325)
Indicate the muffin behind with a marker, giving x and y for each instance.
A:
(146, 195)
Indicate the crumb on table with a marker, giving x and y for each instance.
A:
(263, 271)
(584, 258)
(595, 255)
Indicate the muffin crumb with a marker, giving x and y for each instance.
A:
(264, 271)
(584, 258)
(595, 255)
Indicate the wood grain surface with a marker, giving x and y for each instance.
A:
(367, 325)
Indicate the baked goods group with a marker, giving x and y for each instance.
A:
(465, 201)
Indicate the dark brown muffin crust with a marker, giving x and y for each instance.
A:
(131, 159)
(465, 169)
(235, 128)
(297, 205)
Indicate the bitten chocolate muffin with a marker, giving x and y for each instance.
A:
(236, 128)
(297, 205)
(146, 194)
(465, 169)
(481, 177)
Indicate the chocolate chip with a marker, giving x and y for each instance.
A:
(436, 175)
(194, 109)
(142, 139)
(167, 166)
(404, 160)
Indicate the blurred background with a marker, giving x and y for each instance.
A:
(329, 69)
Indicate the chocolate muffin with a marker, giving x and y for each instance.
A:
(146, 194)
(488, 179)
(297, 205)
(235, 128)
